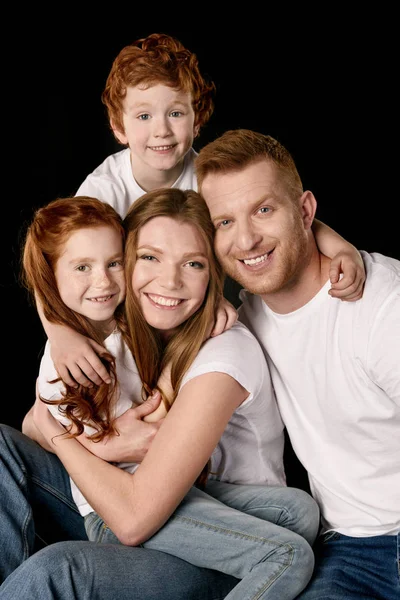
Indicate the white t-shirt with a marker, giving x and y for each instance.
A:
(113, 182)
(251, 447)
(130, 395)
(335, 368)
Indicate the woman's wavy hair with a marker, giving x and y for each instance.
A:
(157, 59)
(151, 354)
(45, 239)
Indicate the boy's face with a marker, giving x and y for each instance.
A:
(159, 129)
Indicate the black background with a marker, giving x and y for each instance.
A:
(325, 85)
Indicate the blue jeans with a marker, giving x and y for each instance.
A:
(36, 502)
(359, 568)
(233, 529)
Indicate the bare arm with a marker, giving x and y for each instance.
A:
(135, 507)
(132, 443)
(346, 260)
(75, 356)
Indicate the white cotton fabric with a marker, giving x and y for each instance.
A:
(251, 447)
(113, 181)
(130, 395)
(335, 368)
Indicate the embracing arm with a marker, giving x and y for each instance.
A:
(136, 506)
(75, 356)
(346, 260)
(132, 443)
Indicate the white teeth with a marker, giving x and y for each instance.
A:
(161, 147)
(164, 301)
(255, 261)
(103, 299)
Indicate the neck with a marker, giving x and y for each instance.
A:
(151, 179)
(302, 288)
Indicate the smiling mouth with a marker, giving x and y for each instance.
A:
(101, 299)
(257, 260)
(163, 301)
(162, 148)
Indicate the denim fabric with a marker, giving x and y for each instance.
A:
(35, 499)
(355, 568)
(86, 571)
(270, 560)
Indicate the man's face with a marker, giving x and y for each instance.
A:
(260, 240)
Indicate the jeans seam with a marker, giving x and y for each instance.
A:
(232, 532)
(54, 492)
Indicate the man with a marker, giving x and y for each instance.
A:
(335, 365)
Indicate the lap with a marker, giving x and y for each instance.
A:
(355, 568)
(77, 570)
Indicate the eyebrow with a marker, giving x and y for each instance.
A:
(156, 249)
(80, 259)
(258, 202)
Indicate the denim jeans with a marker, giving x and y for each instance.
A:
(355, 568)
(36, 501)
(233, 536)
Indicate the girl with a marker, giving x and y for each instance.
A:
(222, 405)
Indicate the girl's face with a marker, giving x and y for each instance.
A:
(90, 274)
(171, 273)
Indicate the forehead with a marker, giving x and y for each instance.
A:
(90, 239)
(238, 188)
(155, 95)
(172, 235)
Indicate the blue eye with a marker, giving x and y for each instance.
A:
(176, 113)
(265, 209)
(144, 117)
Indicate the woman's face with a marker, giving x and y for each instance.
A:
(171, 273)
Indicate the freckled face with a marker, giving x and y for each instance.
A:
(159, 129)
(260, 238)
(90, 274)
(171, 273)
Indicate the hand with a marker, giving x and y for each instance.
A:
(226, 316)
(77, 358)
(135, 436)
(350, 287)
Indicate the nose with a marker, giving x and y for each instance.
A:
(171, 277)
(161, 127)
(101, 278)
(247, 235)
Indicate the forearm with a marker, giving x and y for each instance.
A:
(329, 241)
(29, 428)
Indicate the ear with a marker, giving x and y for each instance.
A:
(120, 135)
(196, 130)
(308, 207)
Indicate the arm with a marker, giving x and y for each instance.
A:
(75, 356)
(132, 443)
(346, 260)
(136, 506)
(226, 316)
(29, 428)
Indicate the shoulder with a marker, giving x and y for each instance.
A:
(382, 283)
(47, 373)
(235, 352)
(106, 176)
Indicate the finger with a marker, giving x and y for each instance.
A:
(334, 273)
(78, 374)
(219, 324)
(66, 376)
(148, 406)
(94, 370)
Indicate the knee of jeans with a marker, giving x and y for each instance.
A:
(303, 558)
(309, 516)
